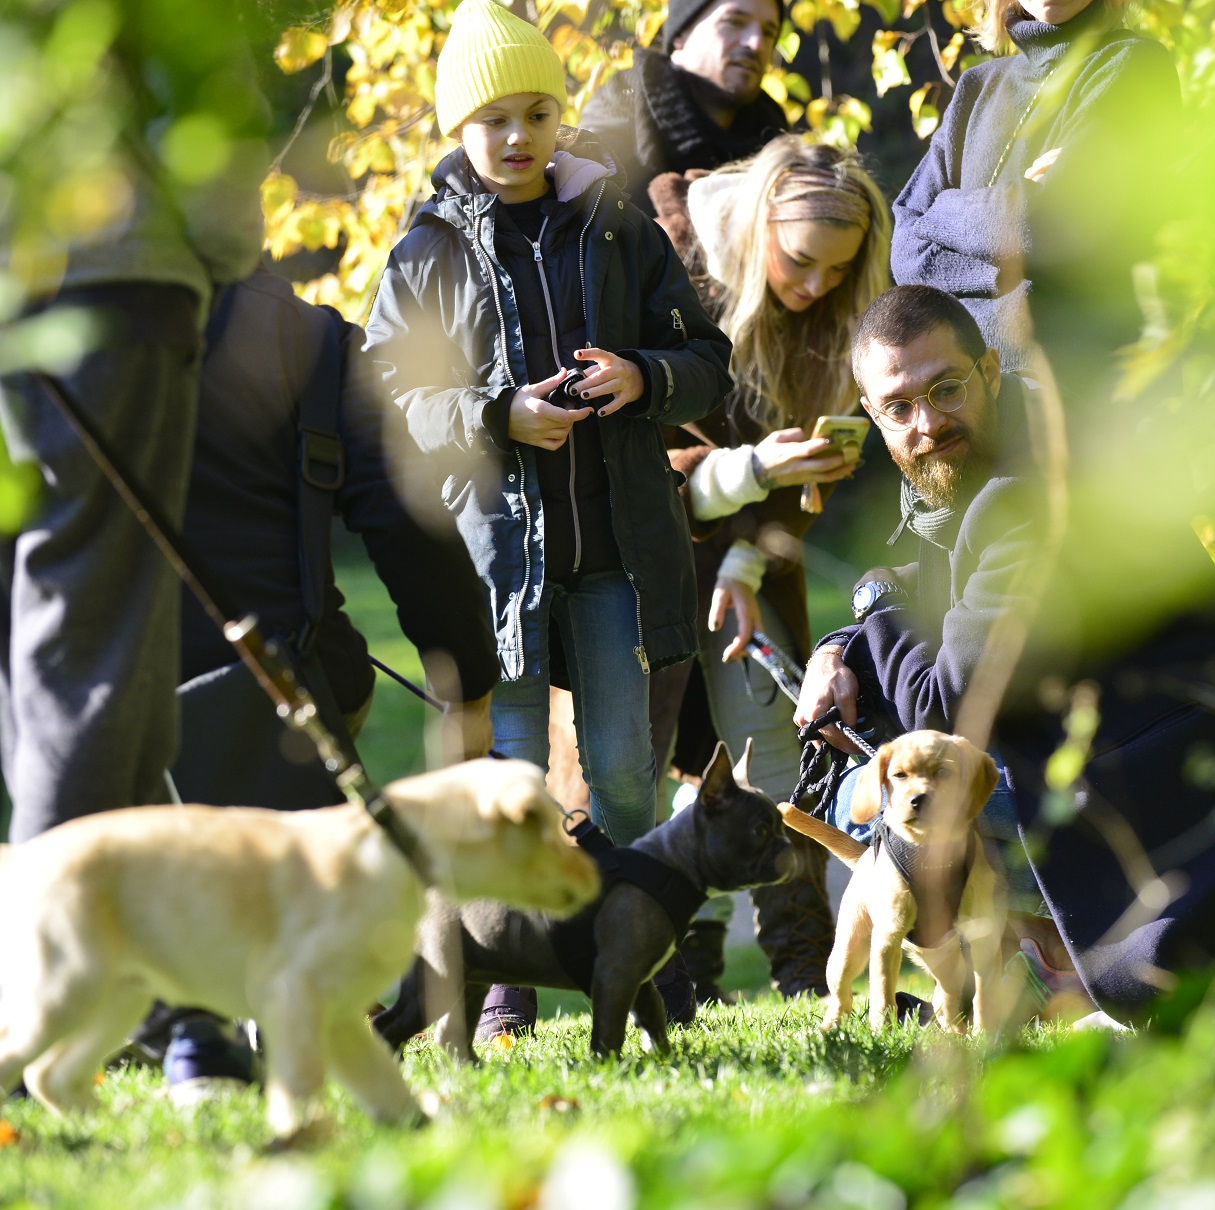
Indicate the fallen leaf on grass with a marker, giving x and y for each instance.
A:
(558, 1104)
(503, 1041)
(9, 1134)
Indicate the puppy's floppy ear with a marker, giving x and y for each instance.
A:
(515, 793)
(867, 797)
(718, 779)
(982, 774)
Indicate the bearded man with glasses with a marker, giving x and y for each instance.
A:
(957, 428)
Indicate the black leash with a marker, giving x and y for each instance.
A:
(822, 766)
(292, 702)
(493, 753)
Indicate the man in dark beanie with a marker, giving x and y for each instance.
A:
(699, 104)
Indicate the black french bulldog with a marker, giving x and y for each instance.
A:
(731, 838)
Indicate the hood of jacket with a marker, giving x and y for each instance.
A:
(712, 202)
(573, 172)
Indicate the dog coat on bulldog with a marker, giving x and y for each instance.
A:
(731, 837)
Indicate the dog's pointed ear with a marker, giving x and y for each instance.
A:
(983, 777)
(743, 765)
(718, 778)
(867, 797)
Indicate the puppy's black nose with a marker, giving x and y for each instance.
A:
(918, 801)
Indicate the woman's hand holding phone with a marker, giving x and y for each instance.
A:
(789, 459)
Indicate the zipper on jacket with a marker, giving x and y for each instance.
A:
(582, 253)
(510, 377)
(552, 334)
(639, 650)
(677, 320)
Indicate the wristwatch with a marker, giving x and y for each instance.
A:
(866, 596)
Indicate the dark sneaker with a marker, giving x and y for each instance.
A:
(202, 1060)
(704, 952)
(507, 1011)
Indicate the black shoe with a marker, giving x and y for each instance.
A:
(507, 1010)
(677, 990)
(912, 1008)
(202, 1059)
(704, 952)
(795, 930)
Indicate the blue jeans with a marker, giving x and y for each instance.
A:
(997, 821)
(597, 623)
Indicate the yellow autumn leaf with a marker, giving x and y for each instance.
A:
(889, 66)
(299, 48)
(844, 19)
(648, 24)
(951, 50)
(804, 14)
(278, 195)
(924, 117)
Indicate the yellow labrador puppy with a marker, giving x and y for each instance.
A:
(295, 919)
(924, 886)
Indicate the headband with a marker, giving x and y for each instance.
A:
(816, 193)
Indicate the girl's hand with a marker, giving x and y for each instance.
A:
(535, 421)
(612, 375)
(741, 598)
(1037, 170)
(789, 459)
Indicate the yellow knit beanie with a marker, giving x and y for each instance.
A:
(491, 53)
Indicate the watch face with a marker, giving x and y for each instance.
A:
(863, 598)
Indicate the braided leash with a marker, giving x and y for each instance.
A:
(823, 767)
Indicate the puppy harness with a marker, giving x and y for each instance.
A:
(574, 939)
(944, 883)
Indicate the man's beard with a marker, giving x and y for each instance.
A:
(713, 96)
(942, 482)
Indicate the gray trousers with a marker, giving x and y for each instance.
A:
(90, 651)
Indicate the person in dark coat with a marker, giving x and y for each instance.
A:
(88, 632)
(990, 208)
(242, 512)
(699, 103)
(528, 264)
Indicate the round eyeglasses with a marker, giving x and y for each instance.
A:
(945, 396)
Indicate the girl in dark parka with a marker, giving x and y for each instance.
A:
(526, 264)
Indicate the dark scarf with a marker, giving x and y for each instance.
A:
(690, 137)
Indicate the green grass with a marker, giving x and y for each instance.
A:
(754, 1108)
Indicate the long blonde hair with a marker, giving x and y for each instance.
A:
(791, 367)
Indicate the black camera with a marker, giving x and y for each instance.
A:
(565, 393)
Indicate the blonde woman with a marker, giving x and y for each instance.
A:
(787, 248)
